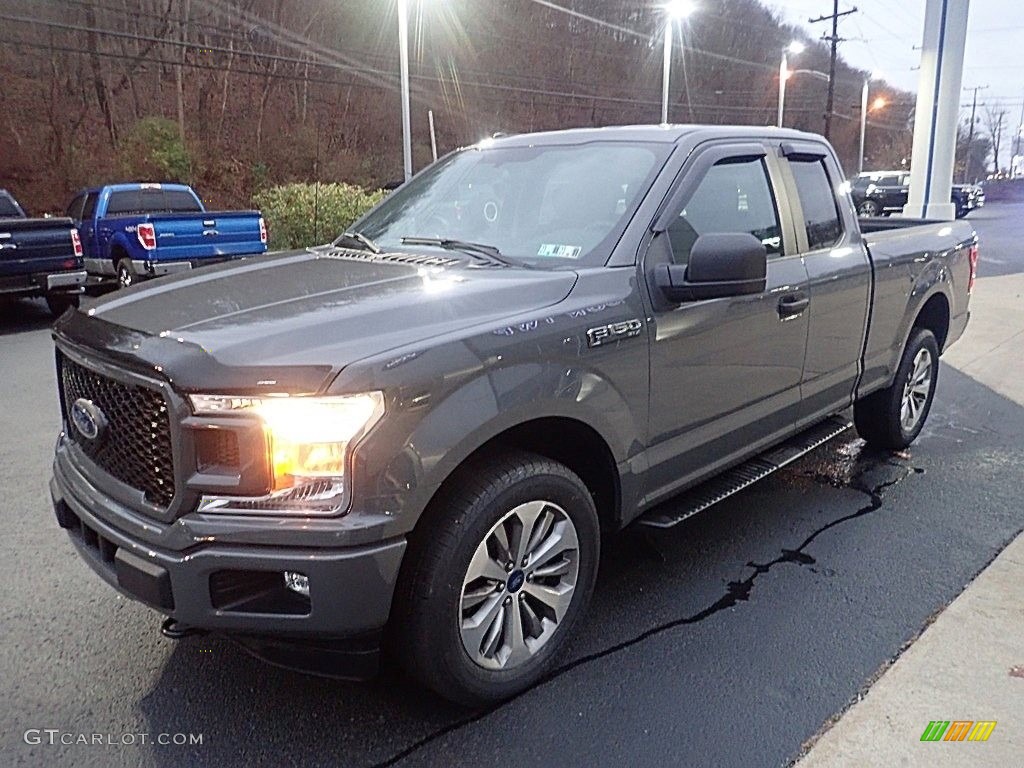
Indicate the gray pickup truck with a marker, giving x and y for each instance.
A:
(415, 438)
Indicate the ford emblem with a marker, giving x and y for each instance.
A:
(87, 419)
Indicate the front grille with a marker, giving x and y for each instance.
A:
(135, 446)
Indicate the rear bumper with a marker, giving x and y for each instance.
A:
(153, 268)
(236, 589)
(40, 283)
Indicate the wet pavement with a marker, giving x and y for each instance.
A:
(728, 640)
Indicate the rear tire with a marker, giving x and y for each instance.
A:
(892, 418)
(59, 303)
(470, 620)
(126, 276)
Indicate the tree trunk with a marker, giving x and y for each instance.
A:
(98, 82)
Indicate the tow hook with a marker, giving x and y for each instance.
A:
(175, 630)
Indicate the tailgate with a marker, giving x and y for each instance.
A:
(204, 235)
(28, 246)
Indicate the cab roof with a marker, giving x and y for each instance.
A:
(660, 134)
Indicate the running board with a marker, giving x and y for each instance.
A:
(712, 491)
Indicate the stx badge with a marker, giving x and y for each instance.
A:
(604, 334)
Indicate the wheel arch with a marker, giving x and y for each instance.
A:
(934, 315)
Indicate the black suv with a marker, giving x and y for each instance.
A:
(880, 193)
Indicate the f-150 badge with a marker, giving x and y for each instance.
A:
(604, 334)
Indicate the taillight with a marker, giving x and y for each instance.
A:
(263, 231)
(76, 242)
(972, 257)
(147, 236)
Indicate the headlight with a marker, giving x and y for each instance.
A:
(307, 445)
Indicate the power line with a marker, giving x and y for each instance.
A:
(570, 96)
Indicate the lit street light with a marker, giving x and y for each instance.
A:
(796, 48)
(403, 58)
(676, 10)
(878, 103)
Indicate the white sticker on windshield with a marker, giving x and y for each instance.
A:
(552, 250)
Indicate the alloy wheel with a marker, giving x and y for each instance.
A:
(519, 585)
(916, 390)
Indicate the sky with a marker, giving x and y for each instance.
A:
(884, 33)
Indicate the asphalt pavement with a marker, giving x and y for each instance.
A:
(727, 641)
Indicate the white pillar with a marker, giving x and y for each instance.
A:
(938, 109)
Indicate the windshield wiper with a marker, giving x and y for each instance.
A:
(485, 252)
(362, 239)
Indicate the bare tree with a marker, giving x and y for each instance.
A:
(994, 118)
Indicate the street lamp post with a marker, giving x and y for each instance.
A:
(676, 10)
(863, 123)
(796, 48)
(879, 103)
(403, 57)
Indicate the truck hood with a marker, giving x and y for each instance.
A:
(327, 306)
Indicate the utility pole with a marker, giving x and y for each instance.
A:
(970, 133)
(834, 39)
(1016, 134)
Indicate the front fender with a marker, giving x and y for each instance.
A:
(429, 436)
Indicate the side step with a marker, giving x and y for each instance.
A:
(712, 491)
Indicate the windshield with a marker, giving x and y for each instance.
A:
(547, 205)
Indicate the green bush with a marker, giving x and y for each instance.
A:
(154, 151)
(300, 215)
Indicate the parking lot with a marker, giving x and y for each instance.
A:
(728, 640)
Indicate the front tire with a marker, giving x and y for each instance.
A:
(495, 578)
(869, 209)
(892, 418)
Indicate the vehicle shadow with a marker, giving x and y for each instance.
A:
(22, 315)
(650, 582)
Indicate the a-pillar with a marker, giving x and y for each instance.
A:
(938, 110)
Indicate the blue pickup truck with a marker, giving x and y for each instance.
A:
(133, 231)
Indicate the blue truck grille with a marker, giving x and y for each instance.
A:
(135, 446)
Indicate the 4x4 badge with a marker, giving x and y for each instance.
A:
(603, 334)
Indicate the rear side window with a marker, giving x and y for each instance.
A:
(734, 197)
(818, 200)
(90, 205)
(75, 209)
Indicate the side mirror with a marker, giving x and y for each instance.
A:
(720, 265)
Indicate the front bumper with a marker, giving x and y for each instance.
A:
(229, 587)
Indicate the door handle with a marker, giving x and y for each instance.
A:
(793, 304)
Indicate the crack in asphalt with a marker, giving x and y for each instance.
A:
(736, 592)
